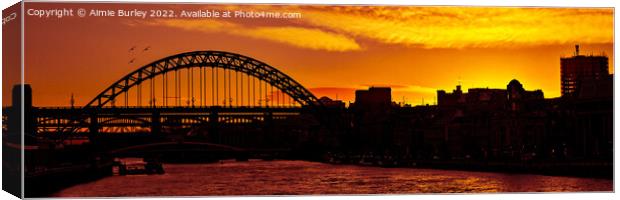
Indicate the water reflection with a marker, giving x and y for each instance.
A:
(301, 177)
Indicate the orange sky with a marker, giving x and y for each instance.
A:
(331, 50)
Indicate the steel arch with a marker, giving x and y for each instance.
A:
(220, 59)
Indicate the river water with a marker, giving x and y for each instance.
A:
(305, 178)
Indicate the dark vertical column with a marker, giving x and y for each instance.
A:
(164, 89)
(191, 87)
(189, 97)
(237, 88)
(214, 135)
(93, 128)
(225, 87)
(200, 86)
(155, 123)
(213, 86)
(217, 92)
(229, 90)
(268, 132)
(176, 87)
(29, 120)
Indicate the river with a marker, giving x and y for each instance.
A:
(304, 178)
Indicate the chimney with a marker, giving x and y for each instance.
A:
(576, 50)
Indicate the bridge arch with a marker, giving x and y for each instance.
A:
(209, 59)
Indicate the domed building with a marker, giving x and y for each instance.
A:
(519, 97)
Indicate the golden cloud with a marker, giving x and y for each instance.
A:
(305, 38)
(458, 27)
(339, 28)
(310, 38)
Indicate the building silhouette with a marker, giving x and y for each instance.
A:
(582, 71)
(514, 97)
(371, 121)
(485, 123)
(501, 124)
(375, 98)
(330, 103)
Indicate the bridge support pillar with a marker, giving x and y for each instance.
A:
(268, 131)
(93, 128)
(155, 123)
(214, 135)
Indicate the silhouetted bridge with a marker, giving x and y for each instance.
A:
(151, 119)
(212, 96)
(202, 87)
(190, 107)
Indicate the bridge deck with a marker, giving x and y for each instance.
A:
(170, 109)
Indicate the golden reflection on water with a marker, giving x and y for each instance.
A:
(305, 178)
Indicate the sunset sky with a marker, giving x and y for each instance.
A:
(331, 50)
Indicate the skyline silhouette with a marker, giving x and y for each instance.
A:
(334, 99)
(416, 71)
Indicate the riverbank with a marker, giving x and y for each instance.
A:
(50, 170)
(54, 179)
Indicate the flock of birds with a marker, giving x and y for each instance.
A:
(133, 49)
(131, 52)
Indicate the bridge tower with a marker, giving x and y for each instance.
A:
(21, 109)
